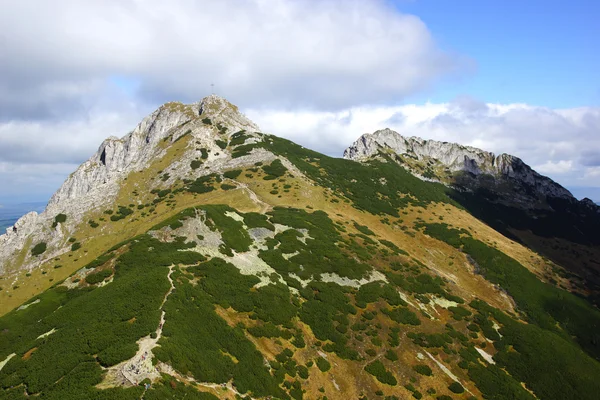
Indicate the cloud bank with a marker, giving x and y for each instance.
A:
(58, 56)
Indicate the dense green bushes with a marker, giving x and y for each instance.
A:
(364, 229)
(402, 315)
(38, 249)
(495, 384)
(98, 277)
(195, 164)
(121, 213)
(423, 369)
(136, 293)
(325, 309)
(204, 184)
(256, 220)
(233, 233)
(456, 387)
(323, 364)
(197, 341)
(222, 144)
(274, 170)
(360, 182)
(320, 254)
(59, 219)
(238, 138)
(544, 304)
(234, 173)
(172, 389)
(377, 369)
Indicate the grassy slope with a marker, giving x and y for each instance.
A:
(338, 196)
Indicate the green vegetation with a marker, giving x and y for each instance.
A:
(238, 138)
(377, 369)
(171, 389)
(495, 384)
(456, 387)
(195, 164)
(423, 369)
(393, 247)
(459, 313)
(234, 236)
(544, 304)
(244, 150)
(98, 277)
(222, 144)
(364, 229)
(121, 213)
(553, 367)
(232, 174)
(137, 291)
(402, 315)
(256, 220)
(325, 310)
(323, 364)
(359, 182)
(59, 219)
(204, 184)
(391, 355)
(274, 170)
(196, 337)
(38, 249)
(319, 255)
(269, 330)
(430, 339)
(75, 246)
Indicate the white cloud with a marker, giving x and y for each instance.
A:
(326, 54)
(555, 168)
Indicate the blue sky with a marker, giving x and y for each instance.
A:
(517, 77)
(529, 51)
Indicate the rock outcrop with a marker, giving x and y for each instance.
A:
(97, 181)
(475, 163)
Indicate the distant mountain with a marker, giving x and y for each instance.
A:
(200, 258)
(504, 192)
(465, 167)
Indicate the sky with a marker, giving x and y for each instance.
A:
(517, 77)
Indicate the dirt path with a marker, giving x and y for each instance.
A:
(264, 206)
(131, 372)
(167, 369)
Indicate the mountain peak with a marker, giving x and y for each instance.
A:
(460, 165)
(100, 180)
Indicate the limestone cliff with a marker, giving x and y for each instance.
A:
(464, 165)
(97, 181)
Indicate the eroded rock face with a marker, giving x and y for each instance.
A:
(97, 181)
(459, 158)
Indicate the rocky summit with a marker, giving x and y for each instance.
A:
(454, 161)
(198, 257)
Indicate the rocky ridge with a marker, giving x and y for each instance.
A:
(97, 181)
(456, 158)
